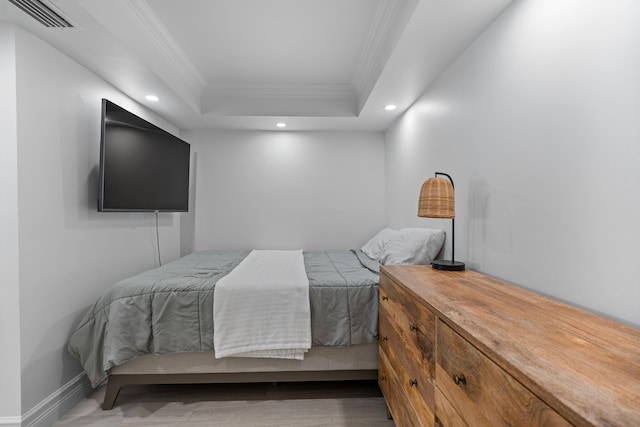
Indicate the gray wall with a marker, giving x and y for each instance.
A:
(66, 252)
(538, 123)
(286, 190)
(9, 265)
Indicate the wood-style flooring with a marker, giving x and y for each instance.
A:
(305, 404)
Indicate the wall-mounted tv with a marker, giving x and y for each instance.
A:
(142, 167)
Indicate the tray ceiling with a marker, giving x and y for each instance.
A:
(318, 64)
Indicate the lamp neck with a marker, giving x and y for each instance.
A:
(453, 239)
(447, 175)
(453, 221)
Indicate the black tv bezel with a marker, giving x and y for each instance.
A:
(101, 170)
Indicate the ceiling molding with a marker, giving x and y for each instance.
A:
(280, 91)
(388, 24)
(373, 44)
(159, 36)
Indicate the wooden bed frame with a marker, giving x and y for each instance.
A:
(358, 362)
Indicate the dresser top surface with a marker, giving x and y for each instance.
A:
(587, 365)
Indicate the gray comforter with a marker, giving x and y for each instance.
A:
(170, 309)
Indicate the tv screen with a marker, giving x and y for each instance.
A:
(142, 167)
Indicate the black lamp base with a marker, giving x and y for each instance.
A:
(442, 264)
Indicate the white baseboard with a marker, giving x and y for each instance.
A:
(58, 403)
(10, 421)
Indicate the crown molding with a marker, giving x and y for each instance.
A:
(377, 34)
(161, 39)
(255, 90)
(389, 22)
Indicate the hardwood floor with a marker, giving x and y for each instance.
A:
(307, 404)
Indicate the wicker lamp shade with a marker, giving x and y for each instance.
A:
(436, 199)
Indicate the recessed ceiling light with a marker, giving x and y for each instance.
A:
(390, 107)
(281, 125)
(152, 98)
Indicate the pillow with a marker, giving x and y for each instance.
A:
(374, 247)
(412, 246)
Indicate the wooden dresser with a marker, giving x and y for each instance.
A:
(464, 349)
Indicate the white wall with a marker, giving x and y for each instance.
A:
(10, 408)
(539, 125)
(68, 253)
(283, 190)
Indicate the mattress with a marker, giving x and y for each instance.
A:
(170, 309)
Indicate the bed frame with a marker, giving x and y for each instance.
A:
(357, 362)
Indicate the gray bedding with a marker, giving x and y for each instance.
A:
(170, 308)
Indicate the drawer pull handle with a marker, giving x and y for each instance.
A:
(384, 297)
(413, 383)
(383, 378)
(459, 379)
(384, 338)
(413, 328)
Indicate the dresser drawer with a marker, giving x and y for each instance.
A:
(396, 397)
(413, 321)
(404, 394)
(410, 373)
(481, 392)
(446, 414)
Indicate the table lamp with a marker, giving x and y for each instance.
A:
(437, 201)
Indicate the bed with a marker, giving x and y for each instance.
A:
(157, 327)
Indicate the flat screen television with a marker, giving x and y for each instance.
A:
(142, 167)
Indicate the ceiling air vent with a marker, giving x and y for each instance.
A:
(42, 13)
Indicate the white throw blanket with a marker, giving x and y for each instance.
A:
(261, 308)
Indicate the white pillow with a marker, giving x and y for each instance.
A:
(374, 247)
(412, 246)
